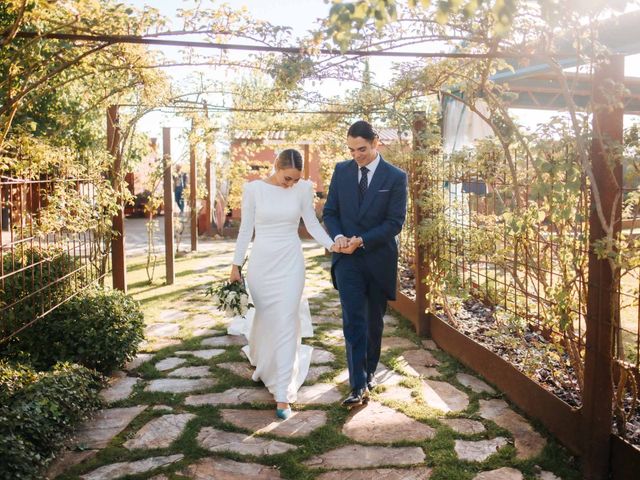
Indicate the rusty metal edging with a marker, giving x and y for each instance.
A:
(405, 307)
(562, 420)
(625, 459)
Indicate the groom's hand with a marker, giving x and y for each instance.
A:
(340, 244)
(353, 244)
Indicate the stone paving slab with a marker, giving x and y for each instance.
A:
(464, 425)
(160, 432)
(68, 459)
(224, 469)
(399, 394)
(216, 440)
(418, 363)
(480, 450)
(333, 337)
(321, 356)
(421, 473)
(429, 344)
(139, 359)
(383, 376)
(156, 344)
(205, 332)
(169, 363)
(119, 389)
(444, 396)
(202, 320)
(192, 372)
(324, 319)
(319, 394)
(390, 343)
(504, 473)
(360, 456)
(379, 424)
(204, 354)
(231, 397)
(547, 476)
(474, 383)
(179, 385)
(225, 341)
(316, 371)
(172, 315)
(528, 442)
(299, 424)
(98, 431)
(390, 320)
(117, 470)
(242, 369)
(162, 330)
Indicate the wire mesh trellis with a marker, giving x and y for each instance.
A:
(46, 259)
(507, 240)
(507, 237)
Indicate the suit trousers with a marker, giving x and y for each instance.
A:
(363, 307)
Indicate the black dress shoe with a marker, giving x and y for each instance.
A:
(356, 397)
(371, 382)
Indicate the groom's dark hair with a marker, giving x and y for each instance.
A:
(289, 158)
(362, 129)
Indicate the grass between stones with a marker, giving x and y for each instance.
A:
(196, 270)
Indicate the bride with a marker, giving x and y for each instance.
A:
(275, 276)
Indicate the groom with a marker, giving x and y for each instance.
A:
(364, 211)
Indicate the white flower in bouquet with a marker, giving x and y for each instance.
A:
(230, 298)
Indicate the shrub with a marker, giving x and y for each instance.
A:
(99, 329)
(37, 411)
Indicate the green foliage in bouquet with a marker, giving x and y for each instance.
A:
(230, 297)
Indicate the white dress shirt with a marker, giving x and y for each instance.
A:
(372, 168)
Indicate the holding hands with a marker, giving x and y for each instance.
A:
(347, 245)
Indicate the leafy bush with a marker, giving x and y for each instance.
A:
(36, 278)
(99, 329)
(37, 411)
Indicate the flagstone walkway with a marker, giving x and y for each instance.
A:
(186, 407)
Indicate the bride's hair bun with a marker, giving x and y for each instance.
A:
(289, 158)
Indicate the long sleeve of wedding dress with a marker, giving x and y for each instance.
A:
(247, 223)
(311, 221)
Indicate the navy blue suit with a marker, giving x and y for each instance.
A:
(367, 278)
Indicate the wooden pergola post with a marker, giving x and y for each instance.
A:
(118, 265)
(603, 286)
(423, 326)
(208, 200)
(167, 177)
(307, 159)
(193, 197)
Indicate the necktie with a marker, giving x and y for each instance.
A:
(362, 186)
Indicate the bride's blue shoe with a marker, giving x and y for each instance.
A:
(283, 413)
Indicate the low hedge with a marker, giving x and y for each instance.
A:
(99, 329)
(37, 411)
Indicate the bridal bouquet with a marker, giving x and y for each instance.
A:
(231, 298)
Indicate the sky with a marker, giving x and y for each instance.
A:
(302, 16)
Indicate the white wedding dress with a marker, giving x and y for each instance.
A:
(275, 279)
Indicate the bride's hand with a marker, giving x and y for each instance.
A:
(234, 275)
(334, 248)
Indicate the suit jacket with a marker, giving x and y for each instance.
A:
(377, 220)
